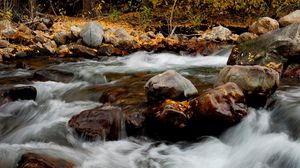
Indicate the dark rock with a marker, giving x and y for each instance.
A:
(169, 85)
(99, 123)
(32, 160)
(135, 120)
(263, 25)
(218, 108)
(292, 71)
(111, 95)
(170, 120)
(273, 49)
(48, 22)
(41, 27)
(52, 75)
(109, 50)
(92, 34)
(21, 65)
(257, 82)
(82, 51)
(21, 93)
(17, 93)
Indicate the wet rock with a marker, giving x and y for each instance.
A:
(41, 27)
(21, 54)
(82, 51)
(169, 85)
(50, 46)
(273, 49)
(263, 25)
(256, 82)
(99, 123)
(135, 120)
(53, 75)
(293, 17)
(21, 65)
(20, 93)
(112, 95)
(92, 34)
(61, 37)
(170, 120)
(218, 108)
(246, 37)
(292, 71)
(4, 43)
(32, 160)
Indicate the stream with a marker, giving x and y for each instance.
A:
(266, 138)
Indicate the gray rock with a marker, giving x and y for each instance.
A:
(169, 85)
(61, 37)
(221, 33)
(75, 31)
(293, 17)
(273, 49)
(263, 25)
(257, 82)
(92, 34)
(246, 37)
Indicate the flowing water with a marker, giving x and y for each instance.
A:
(266, 138)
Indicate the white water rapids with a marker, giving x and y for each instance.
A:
(266, 138)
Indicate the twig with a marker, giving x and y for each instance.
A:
(52, 8)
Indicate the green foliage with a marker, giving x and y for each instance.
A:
(145, 16)
(114, 15)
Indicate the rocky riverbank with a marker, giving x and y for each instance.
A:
(173, 108)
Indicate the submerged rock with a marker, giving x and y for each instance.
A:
(293, 17)
(92, 34)
(273, 49)
(169, 85)
(257, 82)
(32, 160)
(18, 93)
(219, 108)
(292, 71)
(263, 25)
(99, 123)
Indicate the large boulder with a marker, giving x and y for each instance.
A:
(92, 34)
(169, 85)
(219, 108)
(273, 49)
(257, 82)
(32, 160)
(99, 123)
(263, 25)
(293, 17)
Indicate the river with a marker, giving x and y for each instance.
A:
(266, 138)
